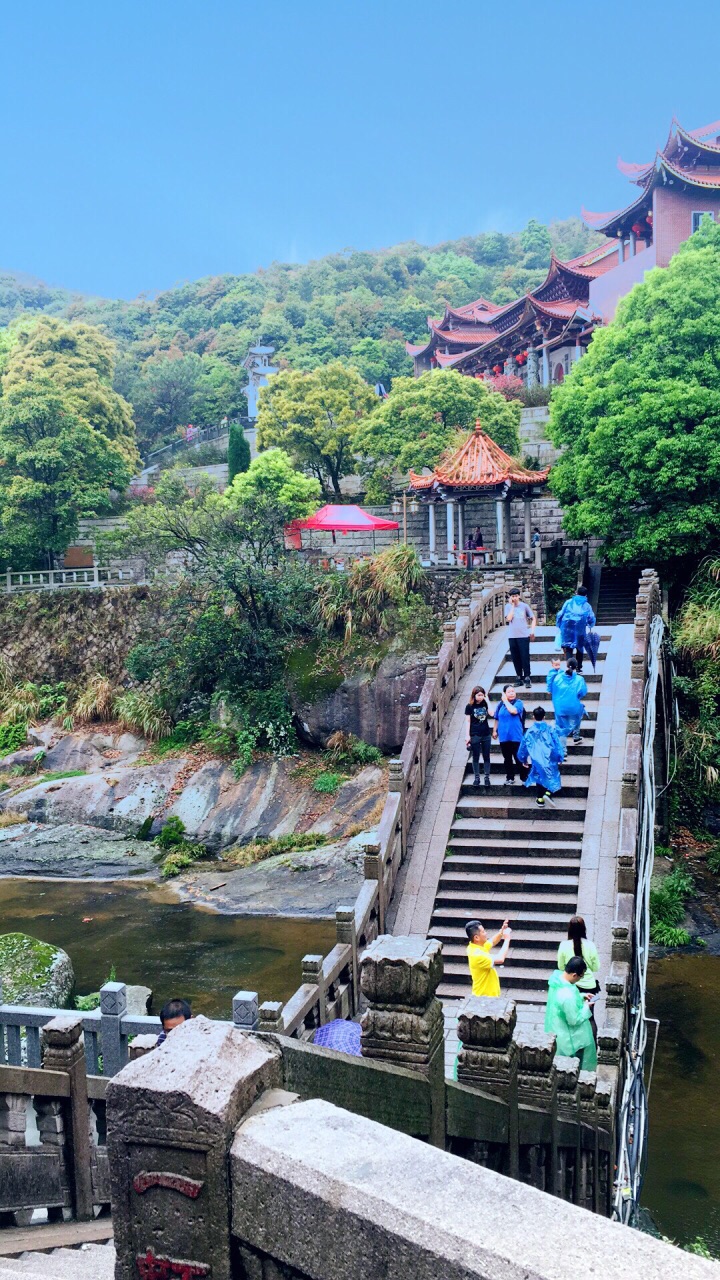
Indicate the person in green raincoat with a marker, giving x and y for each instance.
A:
(567, 1015)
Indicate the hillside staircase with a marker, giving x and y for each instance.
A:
(616, 601)
(509, 858)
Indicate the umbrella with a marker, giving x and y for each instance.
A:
(591, 644)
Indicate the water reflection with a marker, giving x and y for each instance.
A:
(682, 1184)
(151, 938)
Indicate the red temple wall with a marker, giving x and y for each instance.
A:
(672, 218)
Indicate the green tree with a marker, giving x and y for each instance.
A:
(165, 393)
(54, 468)
(536, 245)
(80, 362)
(238, 451)
(639, 418)
(315, 417)
(420, 420)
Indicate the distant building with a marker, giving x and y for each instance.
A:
(257, 363)
(538, 336)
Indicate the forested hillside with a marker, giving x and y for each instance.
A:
(180, 354)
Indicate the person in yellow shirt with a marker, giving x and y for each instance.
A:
(485, 981)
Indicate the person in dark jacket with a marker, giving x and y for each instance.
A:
(477, 732)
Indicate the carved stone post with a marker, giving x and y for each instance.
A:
(537, 1088)
(245, 1010)
(346, 933)
(568, 1110)
(489, 1058)
(63, 1050)
(113, 1005)
(396, 783)
(171, 1118)
(404, 1022)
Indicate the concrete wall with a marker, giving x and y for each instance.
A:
(607, 290)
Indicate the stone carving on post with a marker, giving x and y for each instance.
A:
(404, 1023)
(489, 1055)
(171, 1118)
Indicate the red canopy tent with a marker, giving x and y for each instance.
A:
(345, 519)
(342, 519)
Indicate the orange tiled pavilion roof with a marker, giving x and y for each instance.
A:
(479, 463)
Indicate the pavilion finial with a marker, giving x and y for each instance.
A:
(478, 426)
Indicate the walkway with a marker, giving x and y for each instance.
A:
(495, 854)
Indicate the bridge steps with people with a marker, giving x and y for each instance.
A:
(501, 855)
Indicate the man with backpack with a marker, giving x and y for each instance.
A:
(573, 621)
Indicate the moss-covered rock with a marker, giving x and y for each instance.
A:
(34, 972)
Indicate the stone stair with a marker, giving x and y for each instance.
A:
(89, 1262)
(616, 601)
(507, 857)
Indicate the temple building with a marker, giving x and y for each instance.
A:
(538, 336)
(478, 470)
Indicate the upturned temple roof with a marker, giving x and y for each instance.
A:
(690, 157)
(478, 464)
(564, 292)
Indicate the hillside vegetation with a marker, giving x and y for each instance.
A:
(180, 354)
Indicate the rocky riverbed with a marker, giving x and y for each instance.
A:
(79, 817)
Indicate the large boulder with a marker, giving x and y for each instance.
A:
(34, 972)
(373, 707)
(118, 799)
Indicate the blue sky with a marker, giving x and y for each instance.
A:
(149, 142)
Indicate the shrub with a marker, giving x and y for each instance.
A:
(328, 783)
(267, 847)
(172, 834)
(96, 701)
(142, 711)
(345, 748)
(713, 859)
(11, 818)
(182, 857)
(12, 737)
(508, 385)
(667, 907)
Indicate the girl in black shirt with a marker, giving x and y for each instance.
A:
(478, 732)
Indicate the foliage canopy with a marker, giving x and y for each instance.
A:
(639, 418)
(420, 419)
(315, 417)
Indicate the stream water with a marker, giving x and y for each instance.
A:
(148, 936)
(176, 948)
(682, 1184)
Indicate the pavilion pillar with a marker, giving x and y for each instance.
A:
(532, 367)
(527, 512)
(621, 250)
(500, 523)
(508, 527)
(545, 366)
(461, 526)
(431, 528)
(633, 244)
(578, 349)
(450, 517)
(508, 367)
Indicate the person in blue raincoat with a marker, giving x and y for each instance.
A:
(573, 621)
(567, 688)
(543, 748)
